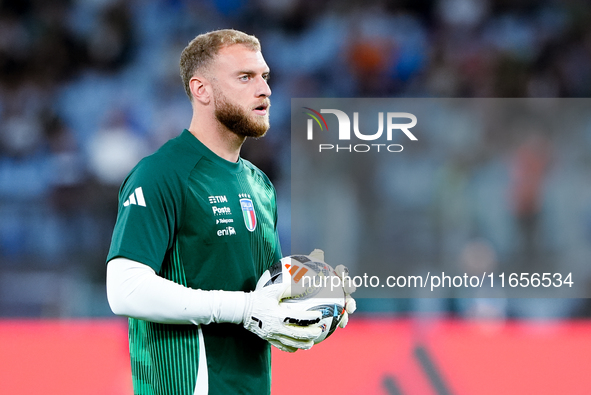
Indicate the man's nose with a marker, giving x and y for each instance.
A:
(263, 89)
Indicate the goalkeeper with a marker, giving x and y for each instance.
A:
(196, 228)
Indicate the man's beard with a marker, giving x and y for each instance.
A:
(236, 120)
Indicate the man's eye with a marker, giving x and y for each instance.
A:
(244, 78)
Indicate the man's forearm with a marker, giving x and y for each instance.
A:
(135, 290)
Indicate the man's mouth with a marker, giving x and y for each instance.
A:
(261, 109)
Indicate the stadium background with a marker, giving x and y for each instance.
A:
(88, 87)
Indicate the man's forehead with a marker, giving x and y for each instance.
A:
(238, 56)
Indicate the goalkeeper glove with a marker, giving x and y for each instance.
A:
(348, 287)
(288, 330)
(350, 304)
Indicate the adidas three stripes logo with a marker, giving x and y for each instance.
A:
(137, 198)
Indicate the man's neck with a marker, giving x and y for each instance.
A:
(218, 139)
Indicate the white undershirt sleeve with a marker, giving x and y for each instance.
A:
(135, 290)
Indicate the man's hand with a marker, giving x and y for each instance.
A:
(348, 287)
(288, 330)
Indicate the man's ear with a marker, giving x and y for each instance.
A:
(199, 90)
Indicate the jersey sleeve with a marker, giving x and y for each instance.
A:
(150, 204)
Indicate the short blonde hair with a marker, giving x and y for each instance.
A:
(201, 51)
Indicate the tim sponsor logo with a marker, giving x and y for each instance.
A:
(394, 123)
(217, 199)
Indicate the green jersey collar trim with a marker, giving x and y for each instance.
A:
(233, 167)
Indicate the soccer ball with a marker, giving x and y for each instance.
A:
(315, 286)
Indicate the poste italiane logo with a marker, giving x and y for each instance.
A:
(344, 133)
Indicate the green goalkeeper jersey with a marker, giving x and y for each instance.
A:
(209, 224)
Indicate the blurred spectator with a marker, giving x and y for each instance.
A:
(111, 40)
(115, 150)
(477, 257)
(529, 168)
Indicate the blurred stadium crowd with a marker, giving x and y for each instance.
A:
(88, 87)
